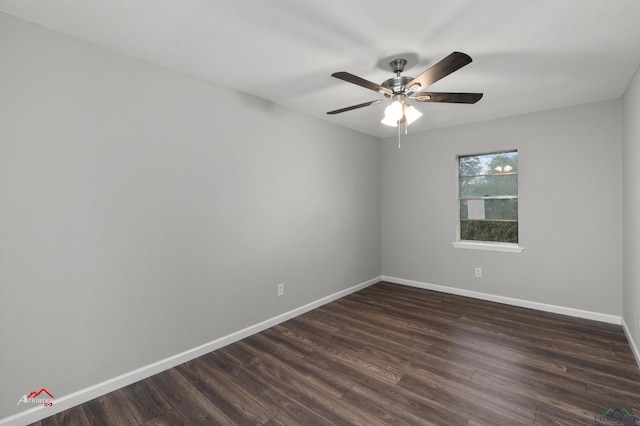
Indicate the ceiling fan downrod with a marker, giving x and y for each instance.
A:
(397, 84)
(397, 65)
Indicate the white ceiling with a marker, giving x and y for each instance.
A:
(527, 55)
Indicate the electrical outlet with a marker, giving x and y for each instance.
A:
(478, 272)
(280, 289)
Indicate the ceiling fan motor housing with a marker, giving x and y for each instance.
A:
(398, 83)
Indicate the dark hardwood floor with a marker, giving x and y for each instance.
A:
(392, 355)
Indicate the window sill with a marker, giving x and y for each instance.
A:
(502, 247)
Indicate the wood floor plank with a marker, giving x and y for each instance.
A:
(329, 383)
(167, 418)
(184, 397)
(72, 417)
(227, 395)
(394, 405)
(226, 363)
(471, 400)
(144, 400)
(390, 355)
(109, 410)
(291, 411)
(369, 329)
(623, 396)
(295, 380)
(349, 355)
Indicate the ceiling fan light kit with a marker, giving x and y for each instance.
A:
(399, 111)
(400, 89)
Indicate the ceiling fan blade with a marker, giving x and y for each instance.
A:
(366, 104)
(454, 98)
(451, 63)
(343, 75)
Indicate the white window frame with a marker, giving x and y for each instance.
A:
(483, 245)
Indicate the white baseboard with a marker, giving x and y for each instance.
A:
(597, 316)
(632, 343)
(71, 400)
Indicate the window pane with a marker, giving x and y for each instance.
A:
(488, 197)
(489, 164)
(489, 186)
(485, 230)
(489, 209)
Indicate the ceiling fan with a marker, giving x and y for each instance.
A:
(400, 89)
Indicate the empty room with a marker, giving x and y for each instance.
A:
(295, 212)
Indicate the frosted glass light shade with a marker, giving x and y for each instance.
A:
(394, 111)
(389, 121)
(411, 114)
(399, 112)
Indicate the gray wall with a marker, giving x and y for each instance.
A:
(631, 192)
(570, 208)
(144, 212)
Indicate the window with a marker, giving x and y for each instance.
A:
(488, 198)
